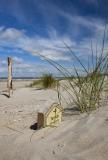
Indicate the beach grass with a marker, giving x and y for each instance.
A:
(46, 81)
(85, 90)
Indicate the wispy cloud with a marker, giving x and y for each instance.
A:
(50, 47)
(53, 46)
(22, 68)
(17, 60)
(44, 27)
(14, 9)
(95, 25)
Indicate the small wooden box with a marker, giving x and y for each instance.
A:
(52, 116)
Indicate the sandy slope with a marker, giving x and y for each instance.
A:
(79, 137)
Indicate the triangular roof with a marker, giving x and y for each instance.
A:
(48, 106)
(52, 106)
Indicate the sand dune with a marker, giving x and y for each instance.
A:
(79, 137)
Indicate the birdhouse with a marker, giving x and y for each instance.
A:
(51, 116)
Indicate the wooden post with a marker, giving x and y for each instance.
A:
(9, 83)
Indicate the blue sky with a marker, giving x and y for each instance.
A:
(28, 27)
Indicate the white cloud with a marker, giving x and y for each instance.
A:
(53, 47)
(49, 47)
(10, 34)
(17, 60)
(97, 25)
(34, 69)
(3, 70)
(3, 62)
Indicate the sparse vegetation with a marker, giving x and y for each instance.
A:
(85, 91)
(46, 81)
(36, 83)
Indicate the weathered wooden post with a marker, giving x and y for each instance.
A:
(9, 83)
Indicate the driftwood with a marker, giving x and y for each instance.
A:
(9, 82)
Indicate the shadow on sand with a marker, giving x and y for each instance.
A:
(38, 89)
(34, 126)
(71, 111)
(6, 95)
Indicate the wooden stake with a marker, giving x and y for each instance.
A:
(9, 83)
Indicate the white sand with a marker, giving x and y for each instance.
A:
(79, 137)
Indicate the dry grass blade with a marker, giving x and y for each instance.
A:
(84, 90)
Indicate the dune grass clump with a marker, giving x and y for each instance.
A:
(84, 90)
(36, 83)
(88, 93)
(48, 81)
